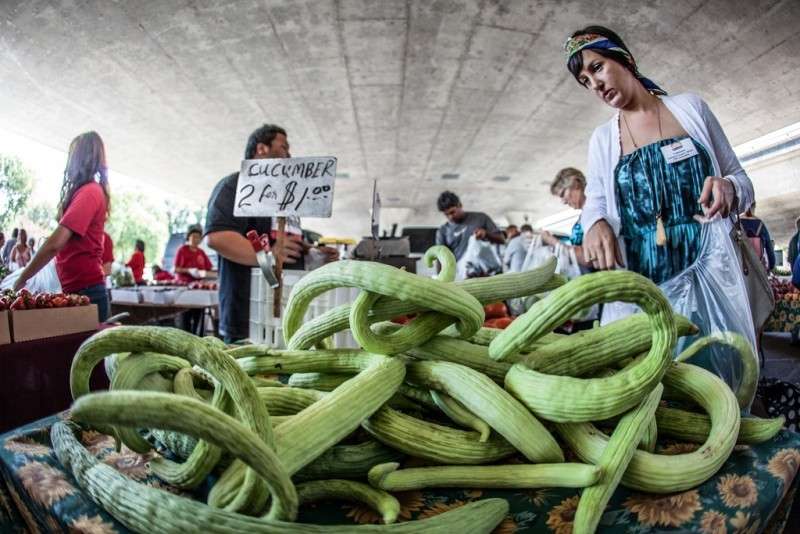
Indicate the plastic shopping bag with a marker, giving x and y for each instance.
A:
(480, 259)
(45, 281)
(567, 265)
(516, 252)
(712, 294)
(537, 254)
(567, 262)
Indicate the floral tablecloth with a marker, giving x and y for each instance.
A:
(752, 493)
(785, 317)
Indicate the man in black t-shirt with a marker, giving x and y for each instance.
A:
(226, 235)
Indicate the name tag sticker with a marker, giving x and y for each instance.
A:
(679, 151)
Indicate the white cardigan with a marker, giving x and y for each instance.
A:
(694, 115)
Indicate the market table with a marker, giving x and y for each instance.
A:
(753, 492)
(151, 313)
(34, 378)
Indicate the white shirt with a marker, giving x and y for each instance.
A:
(697, 120)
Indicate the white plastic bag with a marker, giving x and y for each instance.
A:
(537, 254)
(480, 259)
(567, 265)
(516, 252)
(46, 280)
(567, 262)
(711, 293)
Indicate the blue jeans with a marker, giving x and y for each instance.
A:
(98, 295)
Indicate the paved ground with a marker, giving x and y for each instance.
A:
(782, 358)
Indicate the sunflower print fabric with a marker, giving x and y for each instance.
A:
(785, 316)
(752, 493)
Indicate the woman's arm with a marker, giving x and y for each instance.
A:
(60, 236)
(235, 247)
(600, 248)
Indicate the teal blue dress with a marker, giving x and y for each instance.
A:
(576, 237)
(646, 186)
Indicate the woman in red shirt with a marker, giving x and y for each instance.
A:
(136, 263)
(190, 258)
(77, 242)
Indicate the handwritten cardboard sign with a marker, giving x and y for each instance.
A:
(285, 187)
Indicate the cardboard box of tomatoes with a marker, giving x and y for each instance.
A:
(41, 315)
(5, 328)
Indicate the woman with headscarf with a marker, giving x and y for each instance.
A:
(77, 242)
(659, 162)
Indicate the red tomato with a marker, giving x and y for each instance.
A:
(495, 309)
(18, 304)
(502, 322)
(401, 319)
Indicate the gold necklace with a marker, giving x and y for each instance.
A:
(661, 234)
(630, 133)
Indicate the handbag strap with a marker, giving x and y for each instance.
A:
(740, 240)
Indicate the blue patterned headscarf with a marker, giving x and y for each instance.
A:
(589, 41)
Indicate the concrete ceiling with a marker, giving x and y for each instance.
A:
(402, 91)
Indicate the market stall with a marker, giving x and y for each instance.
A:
(753, 492)
(455, 432)
(39, 335)
(164, 301)
(786, 315)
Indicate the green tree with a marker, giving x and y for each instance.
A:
(43, 216)
(16, 183)
(136, 216)
(180, 216)
(177, 216)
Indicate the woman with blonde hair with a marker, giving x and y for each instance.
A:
(569, 185)
(77, 242)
